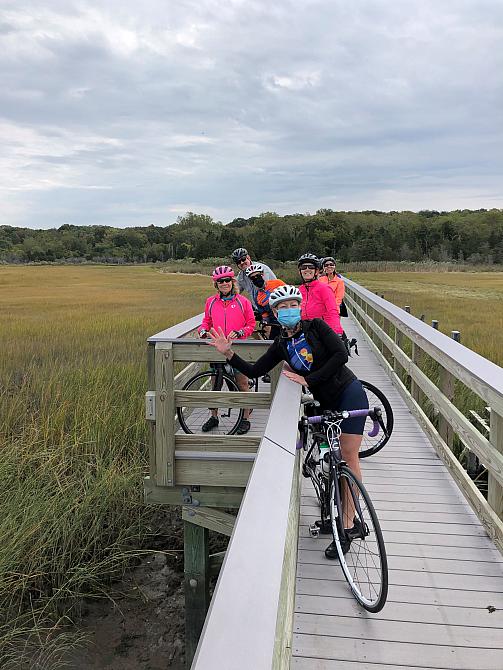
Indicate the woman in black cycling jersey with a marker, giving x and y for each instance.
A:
(317, 358)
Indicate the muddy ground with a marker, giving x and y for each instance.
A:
(141, 626)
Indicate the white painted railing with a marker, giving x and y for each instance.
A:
(249, 623)
(387, 328)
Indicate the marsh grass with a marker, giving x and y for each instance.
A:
(72, 437)
(469, 302)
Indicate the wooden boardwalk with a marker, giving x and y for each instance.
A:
(445, 601)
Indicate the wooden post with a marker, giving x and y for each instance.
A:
(398, 341)
(415, 391)
(164, 416)
(434, 324)
(456, 335)
(447, 386)
(197, 593)
(494, 489)
(407, 309)
(151, 424)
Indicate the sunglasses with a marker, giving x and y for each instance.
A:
(307, 267)
(225, 280)
(329, 265)
(241, 260)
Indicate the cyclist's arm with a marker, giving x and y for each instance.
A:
(207, 323)
(339, 291)
(339, 356)
(268, 273)
(249, 318)
(331, 315)
(265, 363)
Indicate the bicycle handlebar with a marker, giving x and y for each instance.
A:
(374, 414)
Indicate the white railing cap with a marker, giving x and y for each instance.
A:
(240, 627)
(178, 330)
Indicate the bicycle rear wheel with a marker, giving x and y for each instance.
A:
(365, 564)
(192, 418)
(376, 398)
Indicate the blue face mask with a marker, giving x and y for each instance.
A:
(289, 317)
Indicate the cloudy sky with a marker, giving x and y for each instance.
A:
(112, 114)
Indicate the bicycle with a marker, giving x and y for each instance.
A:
(219, 376)
(343, 497)
(376, 397)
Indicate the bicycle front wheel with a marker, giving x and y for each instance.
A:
(376, 398)
(364, 564)
(192, 419)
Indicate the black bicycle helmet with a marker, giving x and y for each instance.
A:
(326, 259)
(309, 258)
(238, 253)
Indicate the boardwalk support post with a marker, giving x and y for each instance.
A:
(197, 592)
(494, 488)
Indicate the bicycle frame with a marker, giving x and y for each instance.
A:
(331, 431)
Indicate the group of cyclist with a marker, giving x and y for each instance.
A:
(304, 323)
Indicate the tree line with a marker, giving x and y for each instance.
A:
(469, 236)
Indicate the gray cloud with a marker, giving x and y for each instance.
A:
(113, 115)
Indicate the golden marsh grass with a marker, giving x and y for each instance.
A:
(469, 302)
(72, 433)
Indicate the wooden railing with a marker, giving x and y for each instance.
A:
(249, 623)
(402, 342)
(217, 466)
(202, 472)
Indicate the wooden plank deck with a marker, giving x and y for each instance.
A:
(446, 576)
(258, 418)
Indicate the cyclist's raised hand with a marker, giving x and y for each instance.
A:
(219, 341)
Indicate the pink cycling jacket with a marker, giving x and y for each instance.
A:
(318, 302)
(236, 314)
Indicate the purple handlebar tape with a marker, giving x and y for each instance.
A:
(352, 414)
(358, 412)
(375, 429)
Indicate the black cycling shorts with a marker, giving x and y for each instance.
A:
(353, 397)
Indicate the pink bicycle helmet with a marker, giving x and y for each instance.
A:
(221, 272)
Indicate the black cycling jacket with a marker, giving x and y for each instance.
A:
(328, 376)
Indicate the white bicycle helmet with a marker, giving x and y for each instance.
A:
(285, 292)
(254, 268)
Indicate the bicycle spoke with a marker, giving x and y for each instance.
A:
(365, 564)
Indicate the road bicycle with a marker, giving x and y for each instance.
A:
(376, 398)
(344, 502)
(219, 377)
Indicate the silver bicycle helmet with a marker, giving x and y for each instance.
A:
(238, 253)
(309, 258)
(285, 292)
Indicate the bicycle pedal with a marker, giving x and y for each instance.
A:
(324, 527)
(314, 530)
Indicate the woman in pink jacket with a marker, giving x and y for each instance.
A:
(234, 314)
(318, 300)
